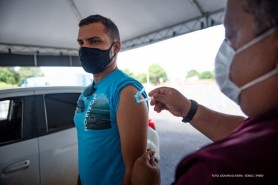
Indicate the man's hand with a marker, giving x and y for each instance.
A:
(145, 170)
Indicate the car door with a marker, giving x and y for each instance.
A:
(58, 139)
(19, 154)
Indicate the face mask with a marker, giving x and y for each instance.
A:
(94, 60)
(223, 61)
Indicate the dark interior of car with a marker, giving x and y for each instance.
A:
(10, 127)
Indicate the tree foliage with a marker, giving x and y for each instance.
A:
(206, 75)
(156, 73)
(142, 77)
(192, 73)
(9, 75)
(27, 72)
(129, 73)
(200, 75)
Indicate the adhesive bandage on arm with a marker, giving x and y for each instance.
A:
(138, 95)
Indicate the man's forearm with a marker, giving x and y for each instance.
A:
(215, 125)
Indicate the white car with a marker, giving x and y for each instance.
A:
(38, 143)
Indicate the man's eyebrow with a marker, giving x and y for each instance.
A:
(89, 38)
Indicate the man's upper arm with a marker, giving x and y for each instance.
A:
(132, 119)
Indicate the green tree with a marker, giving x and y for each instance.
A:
(142, 78)
(192, 73)
(156, 73)
(129, 73)
(8, 75)
(27, 72)
(206, 75)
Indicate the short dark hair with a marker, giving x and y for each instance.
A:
(110, 27)
(265, 12)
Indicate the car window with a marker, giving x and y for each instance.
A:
(4, 109)
(60, 110)
(11, 118)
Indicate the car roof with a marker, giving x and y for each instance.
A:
(27, 91)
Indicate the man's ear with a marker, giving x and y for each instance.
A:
(117, 47)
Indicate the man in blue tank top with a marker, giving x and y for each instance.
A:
(111, 127)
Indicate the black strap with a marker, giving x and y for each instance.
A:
(191, 113)
(89, 90)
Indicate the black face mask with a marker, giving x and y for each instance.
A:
(94, 60)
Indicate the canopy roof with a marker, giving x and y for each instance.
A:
(49, 28)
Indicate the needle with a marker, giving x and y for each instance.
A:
(146, 99)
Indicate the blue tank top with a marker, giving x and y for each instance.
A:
(100, 160)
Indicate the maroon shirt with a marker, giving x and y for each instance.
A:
(248, 156)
